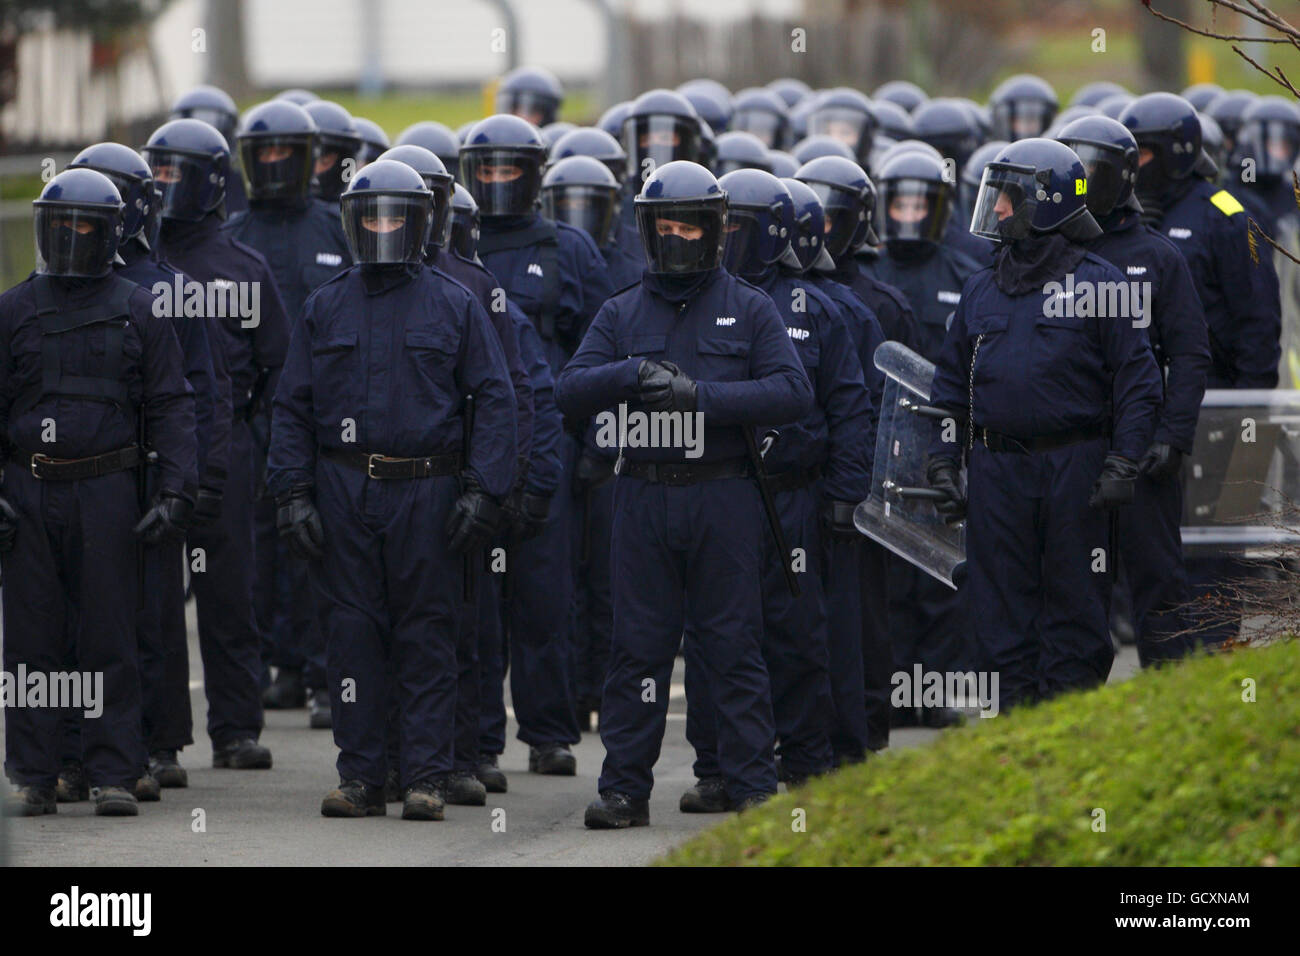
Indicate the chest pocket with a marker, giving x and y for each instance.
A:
(724, 359)
(433, 351)
(333, 357)
(94, 336)
(646, 346)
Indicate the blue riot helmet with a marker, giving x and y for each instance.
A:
(761, 112)
(387, 214)
(848, 199)
(711, 87)
(277, 152)
(951, 128)
(211, 105)
(1034, 187)
(553, 131)
(336, 148)
(464, 224)
(739, 150)
(879, 160)
(436, 179)
(531, 93)
(1068, 116)
(1023, 107)
(782, 164)
(812, 147)
(130, 174)
(662, 127)
(1270, 135)
(438, 139)
(501, 165)
(791, 90)
(1200, 95)
(583, 192)
(809, 240)
(1168, 126)
(1212, 143)
(298, 96)
(1114, 105)
(716, 112)
(681, 214)
(78, 220)
(760, 222)
(907, 95)
(1110, 157)
(373, 140)
(846, 115)
(969, 186)
(593, 142)
(893, 121)
(611, 121)
(190, 162)
(1090, 94)
(916, 200)
(1228, 109)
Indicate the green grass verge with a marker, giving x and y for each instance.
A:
(1185, 770)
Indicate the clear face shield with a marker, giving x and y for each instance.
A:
(590, 208)
(387, 228)
(845, 218)
(504, 182)
(76, 241)
(276, 167)
(913, 210)
(849, 126)
(1106, 168)
(682, 237)
(764, 124)
(654, 141)
(1274, 146)
(184, 182)
(1005, 205)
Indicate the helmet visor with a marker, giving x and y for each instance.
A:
(75, 241)
(913, 210)
(276, 167)
(653, 141)
(387, 228)
(590, 208)
(1022, 119)
(538, 108)
(849, 126)
(138, 197)
(463, 234)
(743, 252)
(504, 182)
(336, 163)
(682, 237)
(1108, 176)
(1006, 203)
(223, 122)
(187, 184)
(846, 218)
(764, 124)
(1274, 146)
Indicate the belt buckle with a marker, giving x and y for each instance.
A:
(674, 475)
(370, 466)
(41, 460)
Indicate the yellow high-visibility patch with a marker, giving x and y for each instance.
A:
(1080, 187)
(1227, 203)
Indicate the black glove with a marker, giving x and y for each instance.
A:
(837, 519)
(8, 526)
(298, 522)
(207, 507)
(944, 475)
(527, 513)
(592, 471)
(473, 519)
(1161, 461)
(664, 387)
(1114, 486)
(167, 520)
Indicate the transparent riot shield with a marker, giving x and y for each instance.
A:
(1242, 482)
(899, 512)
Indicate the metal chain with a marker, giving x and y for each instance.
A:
(970, 404)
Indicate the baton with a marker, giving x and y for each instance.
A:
(769, 505)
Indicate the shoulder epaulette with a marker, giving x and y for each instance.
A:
(1227, 203)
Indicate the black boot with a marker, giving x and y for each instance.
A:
(616, 811)
(147, 789)
(72, 786)
(423, 801)
(709, 795)
(164, 766)
(490, 775)
(555, 760)
(114, 802)
(28, 801)
(352, 798)
(245, 754)
(286, 692)
(463, 789)
(752, 801)
(321, 717)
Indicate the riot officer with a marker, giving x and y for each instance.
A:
(1060, 409)
(86, 364)
(846, 115)
(818, 469)
(163, 639)
(214, 107)
(659, 127)
(191, 162)
(1022, 107)
(927, 619)
(437, 139)
(1270, 136)
(1149, 537)
(1239, 296)
(1228, 109)
(582, 192)
(338, 143)
(687, 532)
(377, 482)
(968, 189)
(555, 274)
(950, 128)
(532, 93)
(761, 113)
(302, 241)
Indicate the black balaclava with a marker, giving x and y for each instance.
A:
(1027, 265)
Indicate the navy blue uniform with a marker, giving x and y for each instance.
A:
(383, 369)
(1150, 541)
(1038, 602)
(823, 456)
(77, 360)
(228, 637)
(689, 554)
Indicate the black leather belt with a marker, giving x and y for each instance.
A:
(794, 478)
(77, 469)
(383, 467)
(1005, 444)
(669, 473)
